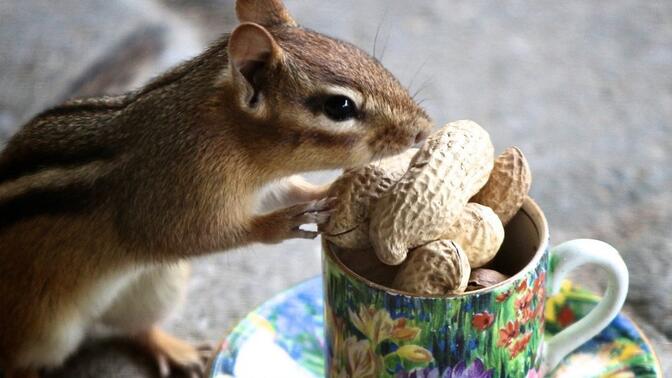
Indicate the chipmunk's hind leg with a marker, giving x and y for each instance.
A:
(171, 352)
(146, 302)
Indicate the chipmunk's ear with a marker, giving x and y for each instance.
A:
(264, 12)
(251, 49)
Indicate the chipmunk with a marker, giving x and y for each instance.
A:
(102, 201)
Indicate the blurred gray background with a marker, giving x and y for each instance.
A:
(583, 87)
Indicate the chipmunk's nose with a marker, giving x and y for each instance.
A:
(421, 136)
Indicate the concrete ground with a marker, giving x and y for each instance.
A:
(584, 88)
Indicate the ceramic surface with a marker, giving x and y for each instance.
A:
(373, 332)
(284, 337)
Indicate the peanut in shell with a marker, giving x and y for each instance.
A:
(479, 232)
(508, 185)
(438, 268)
(453, 165)
(357, 191)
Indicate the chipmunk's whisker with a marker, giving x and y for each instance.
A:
(422, 101)
(375, 38)
(422, 87)
(415, 75)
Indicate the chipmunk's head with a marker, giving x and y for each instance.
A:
(326, 102)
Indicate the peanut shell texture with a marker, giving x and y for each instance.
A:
(479, 232)
(357, 190)
(452, 165)
(508, 185)
(438, 268)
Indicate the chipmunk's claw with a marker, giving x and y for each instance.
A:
(286, 223)
(314, 212)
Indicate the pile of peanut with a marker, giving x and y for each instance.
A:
(428, 220)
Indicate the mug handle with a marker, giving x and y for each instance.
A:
(567, 257)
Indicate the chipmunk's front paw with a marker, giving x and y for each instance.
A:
(286, 223)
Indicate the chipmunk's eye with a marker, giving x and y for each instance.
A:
(339, 108)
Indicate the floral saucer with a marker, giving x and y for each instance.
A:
(284, 338)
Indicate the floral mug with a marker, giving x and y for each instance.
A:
(375, 331)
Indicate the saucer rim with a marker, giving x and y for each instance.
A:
(218, 348)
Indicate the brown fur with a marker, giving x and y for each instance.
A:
(184, 157)
(40, 277)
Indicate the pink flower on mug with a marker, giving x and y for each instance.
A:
(507, 333)
(482, 320)
(533, 373)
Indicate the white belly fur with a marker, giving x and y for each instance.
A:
(68, 328)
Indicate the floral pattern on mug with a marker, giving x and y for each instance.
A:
(461, 370)
(619, 349)
(489, 334)
(376, 327)
(482, 320)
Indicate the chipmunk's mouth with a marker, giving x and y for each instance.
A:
(395, 140)
(398, 148)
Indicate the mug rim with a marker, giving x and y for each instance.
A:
(530, 208)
